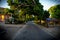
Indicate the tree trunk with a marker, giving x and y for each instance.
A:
(40, 21)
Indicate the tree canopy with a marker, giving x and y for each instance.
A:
(55, 11)
(45, 15)
(26, 7)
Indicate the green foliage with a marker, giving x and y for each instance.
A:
(16, 1)
(9, 2)
(24, 9)
(55, 11)
(45, 15)
(8, 11)
(38, 10)
(29, 2)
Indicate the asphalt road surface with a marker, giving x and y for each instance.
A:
(29, 31)
(32, 32)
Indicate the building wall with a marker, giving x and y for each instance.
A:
(3, 17)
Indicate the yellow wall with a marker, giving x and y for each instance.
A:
(2, 17)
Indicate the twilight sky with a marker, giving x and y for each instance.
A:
(46, 3)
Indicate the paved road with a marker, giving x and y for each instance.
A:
(30, 31)
(11, 29)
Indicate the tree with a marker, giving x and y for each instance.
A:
(55, 11)
(45, 15)
(38, 11)
(26, 7)
(6, 11)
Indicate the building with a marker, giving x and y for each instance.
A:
(2, 15)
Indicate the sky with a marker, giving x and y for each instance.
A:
(46, 3)
(3, 3)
